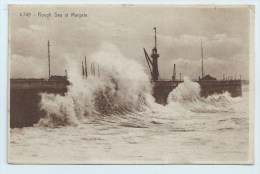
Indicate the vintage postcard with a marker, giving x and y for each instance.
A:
(131, 84)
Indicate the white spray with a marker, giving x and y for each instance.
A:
(123, 86)
(186, 97)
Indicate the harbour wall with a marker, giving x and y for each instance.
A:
(25, 95)
(25, 98)
(208, 87)
(161, 89)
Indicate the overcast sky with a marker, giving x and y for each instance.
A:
(225, 33)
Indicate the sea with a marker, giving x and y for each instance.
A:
(112, 118)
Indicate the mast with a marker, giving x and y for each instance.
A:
(98, 72)
(86, 69)
(82, 69)
(91, 68)
(202, 73)
(94, 70)
(49, 57)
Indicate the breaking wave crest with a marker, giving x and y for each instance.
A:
(186, 96)
(122, 87)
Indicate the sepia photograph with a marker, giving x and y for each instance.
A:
(131, 84)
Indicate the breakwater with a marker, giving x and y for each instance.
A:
(25, 95)
(25, 98)
(161, 89)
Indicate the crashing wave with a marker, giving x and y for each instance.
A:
(187, 96)
(122, 89)
(119, 89)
